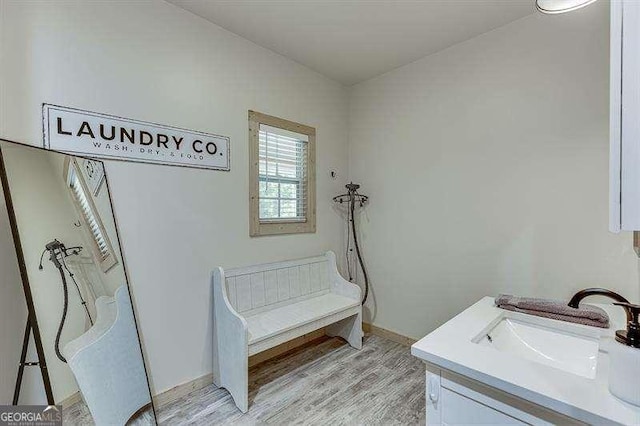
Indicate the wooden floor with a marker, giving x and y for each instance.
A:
(78, 414)
(323, 382)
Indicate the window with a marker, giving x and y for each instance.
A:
(282, 172)
(282, 176)
(83, 201)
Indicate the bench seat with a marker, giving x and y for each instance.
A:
(258, 307)
(280, 322)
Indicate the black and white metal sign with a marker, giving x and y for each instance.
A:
(106, 136)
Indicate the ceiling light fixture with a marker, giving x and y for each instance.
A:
(553, 7)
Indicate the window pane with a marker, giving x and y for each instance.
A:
(288, 208)
(269, 189)
(268, 209)
(282, 170)
(288, 190)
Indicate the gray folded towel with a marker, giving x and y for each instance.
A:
(554, 309)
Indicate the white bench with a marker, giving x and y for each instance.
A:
(259, 307)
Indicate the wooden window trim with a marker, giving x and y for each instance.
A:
(257, 228)
(110, 261)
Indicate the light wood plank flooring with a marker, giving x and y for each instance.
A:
(326, 382)
(78, 414)
(323, 382)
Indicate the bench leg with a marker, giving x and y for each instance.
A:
(239, 389)
(234, 377)
(350, 329)
(231, 364)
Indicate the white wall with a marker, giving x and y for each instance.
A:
(152, 61)
(486, 165)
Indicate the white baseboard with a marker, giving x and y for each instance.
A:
(387, 334)
(181, 390)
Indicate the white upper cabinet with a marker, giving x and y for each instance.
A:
(624, 169)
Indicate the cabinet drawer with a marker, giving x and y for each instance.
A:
(458, 409)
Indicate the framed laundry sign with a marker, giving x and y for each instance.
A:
(93, 134)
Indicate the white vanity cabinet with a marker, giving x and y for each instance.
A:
(530, 379)
(624, 168)
(455, 400)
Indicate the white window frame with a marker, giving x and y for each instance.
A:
(108, 261)
(258, 227)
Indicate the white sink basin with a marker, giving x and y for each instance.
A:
(567, 347)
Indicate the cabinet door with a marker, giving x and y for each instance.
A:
(625, 116)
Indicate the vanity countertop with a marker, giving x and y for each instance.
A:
(452, 347)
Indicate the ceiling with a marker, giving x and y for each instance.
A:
(353, 40)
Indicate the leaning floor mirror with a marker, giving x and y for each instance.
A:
(67, 326)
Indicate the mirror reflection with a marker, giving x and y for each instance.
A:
(82, 312)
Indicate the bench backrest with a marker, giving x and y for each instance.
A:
(268, 286)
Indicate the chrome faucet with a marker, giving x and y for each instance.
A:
(595, 291)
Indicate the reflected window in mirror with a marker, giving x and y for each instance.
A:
(100, 245)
